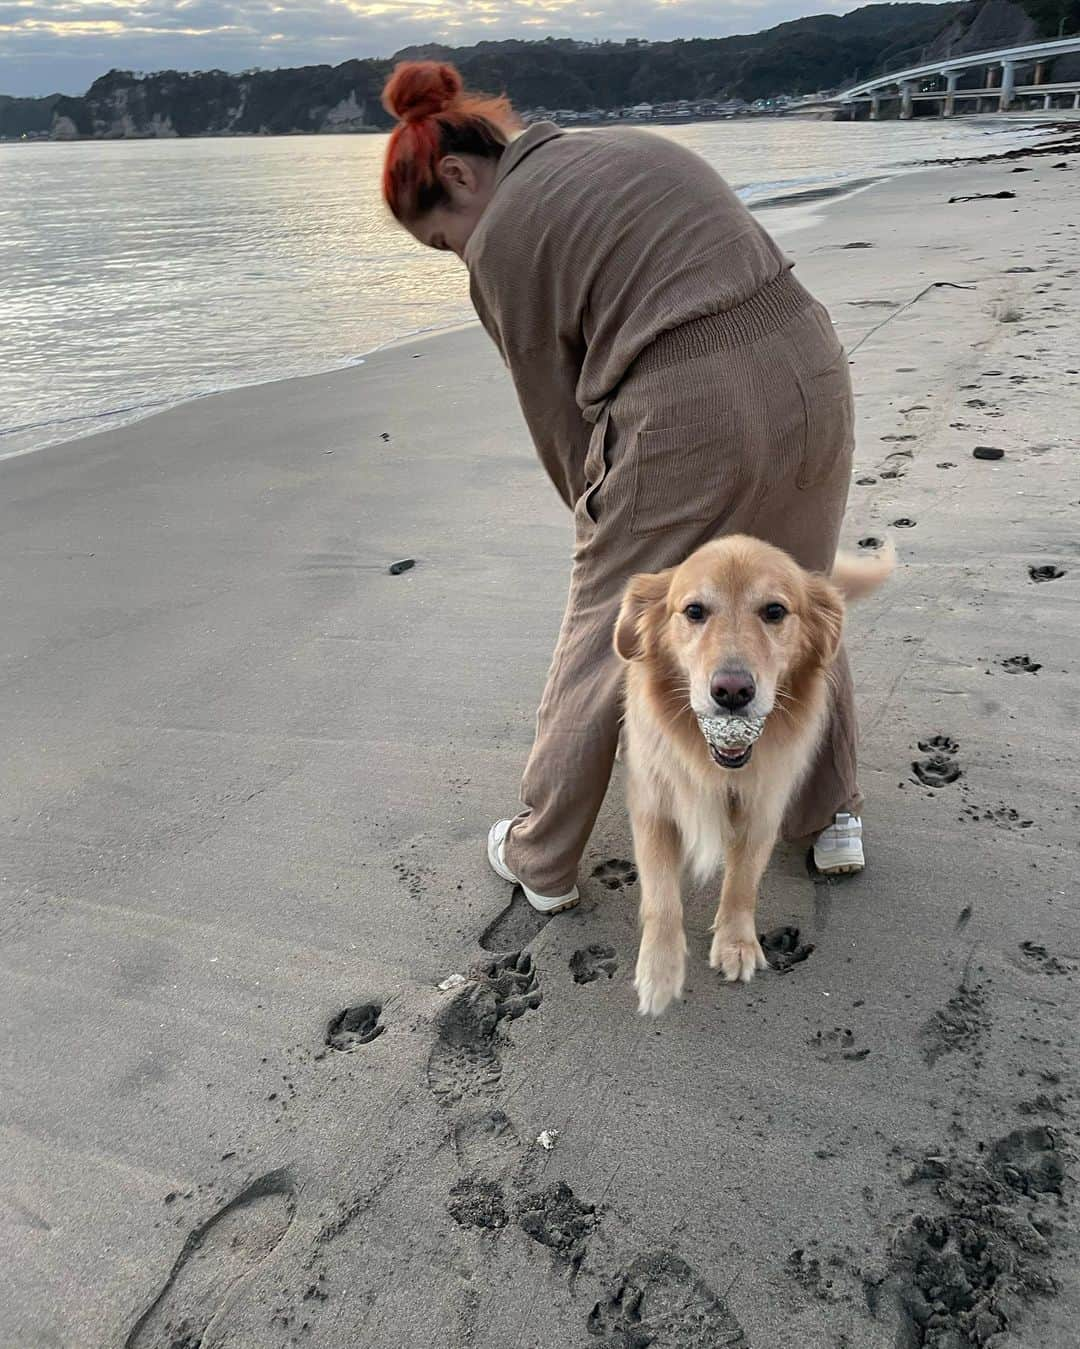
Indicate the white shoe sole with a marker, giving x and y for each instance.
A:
(840, 862)
(541, 903)
(841, 868)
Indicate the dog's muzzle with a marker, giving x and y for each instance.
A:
(731, 739)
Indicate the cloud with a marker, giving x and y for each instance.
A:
(63, 46)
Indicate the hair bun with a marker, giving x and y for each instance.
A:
(419, 89)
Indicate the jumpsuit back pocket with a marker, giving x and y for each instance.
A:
(682, 475)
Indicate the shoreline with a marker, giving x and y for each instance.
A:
(791, 114)
(784, 214)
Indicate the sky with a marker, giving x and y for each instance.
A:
(61, 46)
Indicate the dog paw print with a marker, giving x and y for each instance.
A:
(593, 962)
(615, 874)
(943, 744)
(938, 767)
(354, 1026)
(784, 948)
(837, 1046)
(1019, 665)
(1035, 956)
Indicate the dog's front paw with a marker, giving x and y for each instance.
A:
(738, 957)
(661, 970)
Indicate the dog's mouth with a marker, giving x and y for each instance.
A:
(731, 756)
(731, 739)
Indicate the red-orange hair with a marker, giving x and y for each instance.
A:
(436, 117)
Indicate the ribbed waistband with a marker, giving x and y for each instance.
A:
(755, 318)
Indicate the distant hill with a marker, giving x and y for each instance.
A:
(824, 51)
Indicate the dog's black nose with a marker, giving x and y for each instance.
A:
(732, 689)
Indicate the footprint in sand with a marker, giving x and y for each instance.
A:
(837, 1046)
(1029, 1161)
(593, 962)
(959, 1025)
(487, 1141)
(354, 1026)
(216, 1256)
(515, 927)
(479, 1203)
(784, 948)
(556, 1218)
(936, 770)
(939, 767)
(659, 1300)
(1005, 817)
(944, 743)
(1046, 573)
(1034, 956)
(464, 1061)
(982, 1229)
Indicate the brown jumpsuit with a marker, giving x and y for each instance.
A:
(679, 384)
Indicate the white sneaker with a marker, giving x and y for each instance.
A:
(497, 857)
(838, 849)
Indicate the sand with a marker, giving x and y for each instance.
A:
(247, 781)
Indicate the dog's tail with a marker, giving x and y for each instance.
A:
(859, 574)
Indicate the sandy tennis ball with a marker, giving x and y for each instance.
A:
(725, 732)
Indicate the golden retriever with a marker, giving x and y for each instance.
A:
(739, 630)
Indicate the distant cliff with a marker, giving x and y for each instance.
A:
(212, 103)
(821, 52)
(26, 116)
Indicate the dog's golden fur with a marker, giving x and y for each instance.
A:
(687, 809)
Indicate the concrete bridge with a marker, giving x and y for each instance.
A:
(990, 81)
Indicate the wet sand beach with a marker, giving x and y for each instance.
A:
(247, 780)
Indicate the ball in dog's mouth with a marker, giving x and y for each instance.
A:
(731, 739)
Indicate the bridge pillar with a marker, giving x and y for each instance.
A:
(1040, 73)
(1048, 102)
(907, 106)
(952, 79)
(1008, 84)
(875, 107)
(1076, 101)
(991, 77)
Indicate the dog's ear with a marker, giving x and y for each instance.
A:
(823, 620)
(642, 607)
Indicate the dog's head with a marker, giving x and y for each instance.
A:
(735, 629)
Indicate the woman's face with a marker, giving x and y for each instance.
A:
(470, 184)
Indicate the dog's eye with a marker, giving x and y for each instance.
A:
(695, 613)
(773, 613)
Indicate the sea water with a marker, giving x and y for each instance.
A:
(137, 274)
